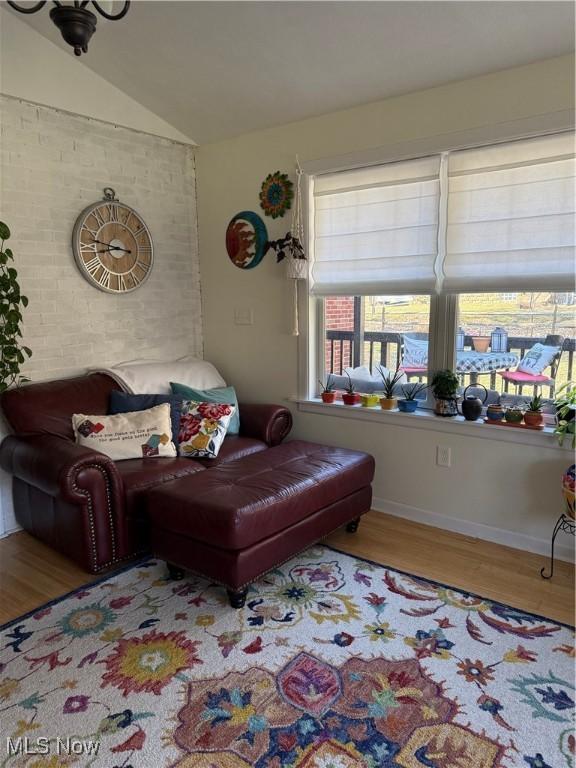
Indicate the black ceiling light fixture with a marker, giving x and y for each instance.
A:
(76, 23)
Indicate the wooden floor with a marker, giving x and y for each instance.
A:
(31, 574)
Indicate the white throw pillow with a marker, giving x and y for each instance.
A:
(537, 359)
(415, 353)
(131, 435)
(362, 373)
(154, 377)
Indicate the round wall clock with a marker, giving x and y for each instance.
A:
(112, 245)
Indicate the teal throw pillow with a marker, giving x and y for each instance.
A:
(217, 395)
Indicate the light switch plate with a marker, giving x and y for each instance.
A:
(243, 316)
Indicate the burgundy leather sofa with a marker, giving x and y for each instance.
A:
(80, 502)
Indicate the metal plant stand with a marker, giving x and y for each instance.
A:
(564, 523)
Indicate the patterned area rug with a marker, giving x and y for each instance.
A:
(335, 662)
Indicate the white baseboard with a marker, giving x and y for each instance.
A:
(513, 539)
(10, 531)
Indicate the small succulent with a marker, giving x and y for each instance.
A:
(411, 391)
(389, 381)
(535, 405)
(513, 413)
(350, 388)
(329, 386)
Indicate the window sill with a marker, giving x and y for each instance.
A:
(428, 421)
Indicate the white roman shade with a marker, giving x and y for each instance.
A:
(511, 217)
(376, 229)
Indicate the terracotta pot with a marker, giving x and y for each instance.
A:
(328, 397)
(481, 343)
(388, 403)
(533, 418)
(350, 399)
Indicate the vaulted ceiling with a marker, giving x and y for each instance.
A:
(218, 69)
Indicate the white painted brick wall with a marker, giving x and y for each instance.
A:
(52, 166)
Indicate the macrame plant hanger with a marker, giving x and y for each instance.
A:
(296, 263)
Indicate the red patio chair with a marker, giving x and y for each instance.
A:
(521, 379)
(420, 372)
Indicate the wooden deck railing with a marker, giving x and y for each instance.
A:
(344, 349)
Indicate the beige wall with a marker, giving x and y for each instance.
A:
(513, 488)
(35, 69)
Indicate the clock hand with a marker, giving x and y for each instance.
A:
(114, 248)
(111, 247)
(100, 242)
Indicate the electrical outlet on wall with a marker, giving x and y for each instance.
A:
(243, 316)
(443, 456)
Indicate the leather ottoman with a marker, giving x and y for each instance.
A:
(243, 518)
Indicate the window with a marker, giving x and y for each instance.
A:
(462, 260)
(365, 335)
(508, 328)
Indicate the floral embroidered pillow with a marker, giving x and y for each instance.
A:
(203, 428)
(131, 435)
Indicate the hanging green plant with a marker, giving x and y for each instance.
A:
(276, 194)
(288, 246)
(12, 352)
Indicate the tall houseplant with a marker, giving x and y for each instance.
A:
(12, 352)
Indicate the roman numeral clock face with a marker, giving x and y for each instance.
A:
(112, 247)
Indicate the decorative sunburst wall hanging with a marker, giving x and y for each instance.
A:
(276, 194)
(246, 240)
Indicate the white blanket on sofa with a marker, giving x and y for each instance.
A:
(153, 377)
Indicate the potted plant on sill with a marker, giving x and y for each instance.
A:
(369, 399)
(565, 404)
(444, 387)
(513, 414)
(533, 414)
(411, 391)
(12, 352)
(350, 396)
(495, 412)
(327, 391)
(389, 401)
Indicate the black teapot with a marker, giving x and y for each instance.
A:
(472, 406)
